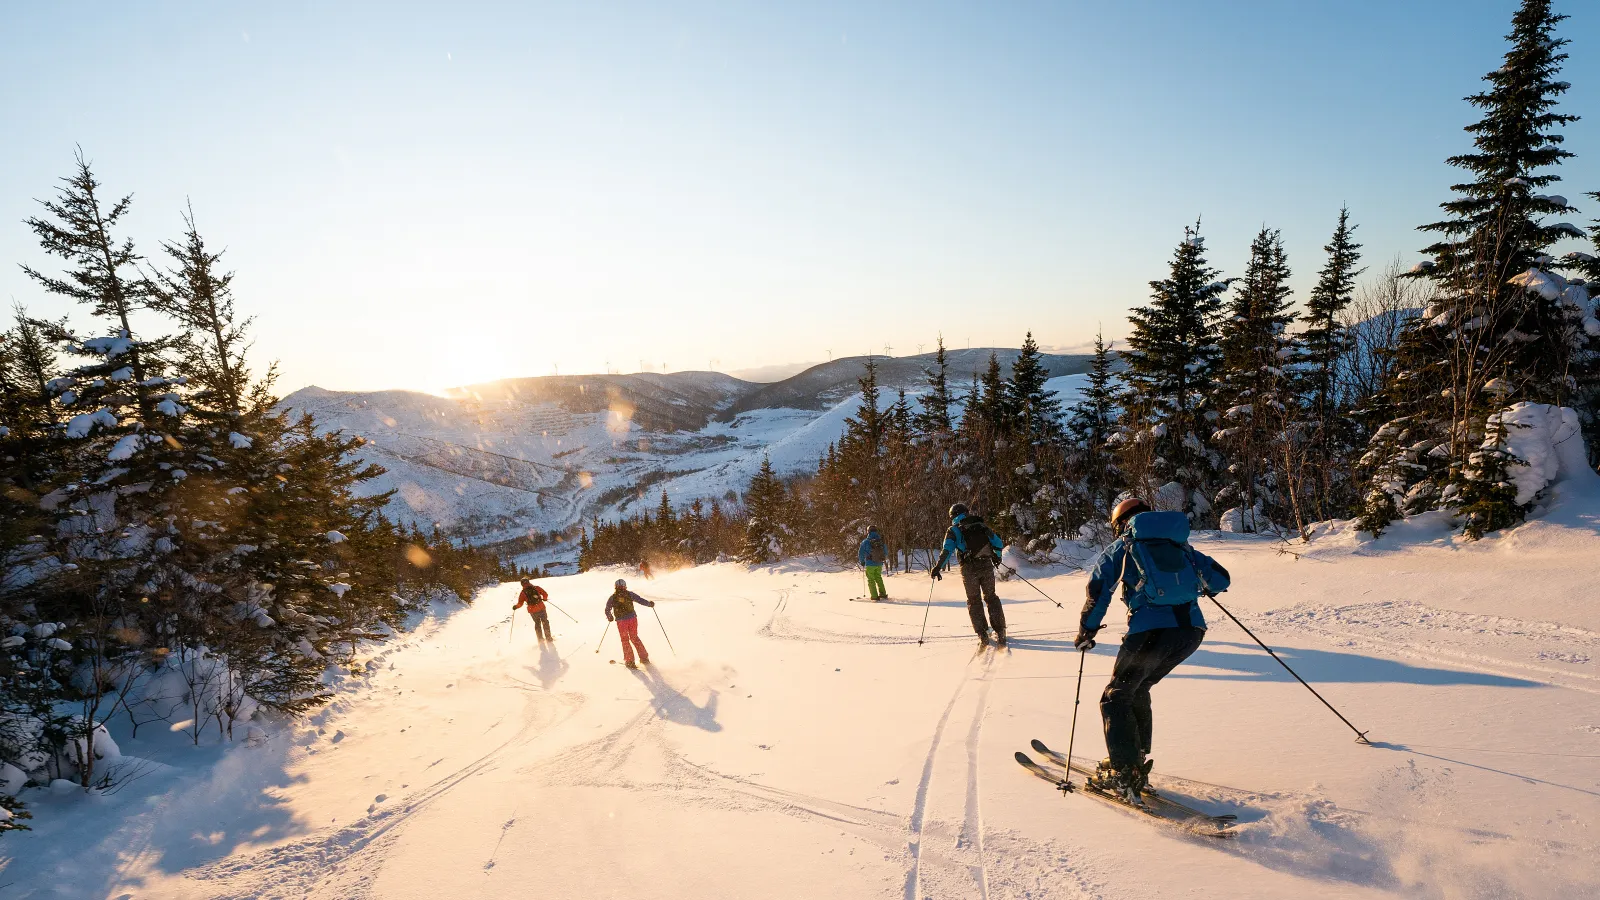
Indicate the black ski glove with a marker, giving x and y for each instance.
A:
(1085, 640)
(935, 573)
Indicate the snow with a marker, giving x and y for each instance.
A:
(239, 441)
(109, 347)
(335, 537)
(81, 424)
(800, 745)
(1549, 442)
(125, 447)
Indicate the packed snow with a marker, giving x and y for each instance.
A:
(792, 742)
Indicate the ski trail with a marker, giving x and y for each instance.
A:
(920, 807)
(971, 835)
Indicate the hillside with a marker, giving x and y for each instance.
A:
(796, 744)
(495, 461)
(823, 385)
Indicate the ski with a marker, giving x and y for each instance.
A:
(1151, 795)
(1175, 815)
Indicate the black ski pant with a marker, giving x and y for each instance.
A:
(1145, 658)
(541, 625)
(978, 579)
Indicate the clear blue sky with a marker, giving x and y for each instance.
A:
(420, 196)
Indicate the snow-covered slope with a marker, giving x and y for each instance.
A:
(796, 744)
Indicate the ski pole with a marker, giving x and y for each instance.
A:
(603, 636)
(512, 638)
(926, 610)
(1072, 737)
(1361, 736)
(1018, 575)
(562, 611)
(664, 631)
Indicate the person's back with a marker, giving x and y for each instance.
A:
(1162, 578)
(871, 554)
(977, 549)
(620, 609)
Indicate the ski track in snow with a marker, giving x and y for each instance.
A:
(343, 862)
(1450, 637)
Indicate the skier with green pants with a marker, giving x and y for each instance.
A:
(872, 555)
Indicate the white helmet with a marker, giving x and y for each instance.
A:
(621, 583)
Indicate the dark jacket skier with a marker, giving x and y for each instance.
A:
(1162, 579)
(533, 597)
(872, 554)
(619, 609)
(977, 549)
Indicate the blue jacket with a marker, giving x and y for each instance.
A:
(864, 555)
(955, 543)
(1113, 565)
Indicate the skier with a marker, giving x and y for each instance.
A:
(1162, 579)
(619, 609)
(977, 549)
(872, 555)
(533, 597)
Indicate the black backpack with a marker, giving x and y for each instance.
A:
(875, 549)
(976, 536)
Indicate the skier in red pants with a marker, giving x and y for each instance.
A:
(619, 609)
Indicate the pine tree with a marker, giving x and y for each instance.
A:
(1252, 386)
(1499, 315)
(766, 526)
(1091, 421)
(1172, 360)
(1037, 410)
(1324, 344)
(935, 416)
(199, 297)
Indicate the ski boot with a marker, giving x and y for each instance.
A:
(1144, 777)
(1121, 785)
(629, 665)
(1000, 638)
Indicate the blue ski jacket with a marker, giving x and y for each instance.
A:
(955, 543)
(865, 554)
(1113, 566)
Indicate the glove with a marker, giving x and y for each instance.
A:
(1084, 641)
(936, 574)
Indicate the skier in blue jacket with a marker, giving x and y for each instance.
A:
(978, 550)
(1162, 578)
(872, 554)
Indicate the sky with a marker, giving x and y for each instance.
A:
(423, 196)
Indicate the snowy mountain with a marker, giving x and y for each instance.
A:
(496, 461)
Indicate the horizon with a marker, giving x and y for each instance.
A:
(457, 197)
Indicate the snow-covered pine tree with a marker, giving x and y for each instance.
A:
(1326, 435)
(1498, 312)
(1172, 360)
(766, 520)
(124, 459)
(1253, 389)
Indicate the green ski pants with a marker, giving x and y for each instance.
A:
(875, 587)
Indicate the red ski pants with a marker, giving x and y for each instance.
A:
(628, 629)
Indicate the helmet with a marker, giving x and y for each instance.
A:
(1126, 510)
(871, 528)
(959, 509)
(621, 583)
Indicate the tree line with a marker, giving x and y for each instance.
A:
(1373, 400)
(161, 519)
